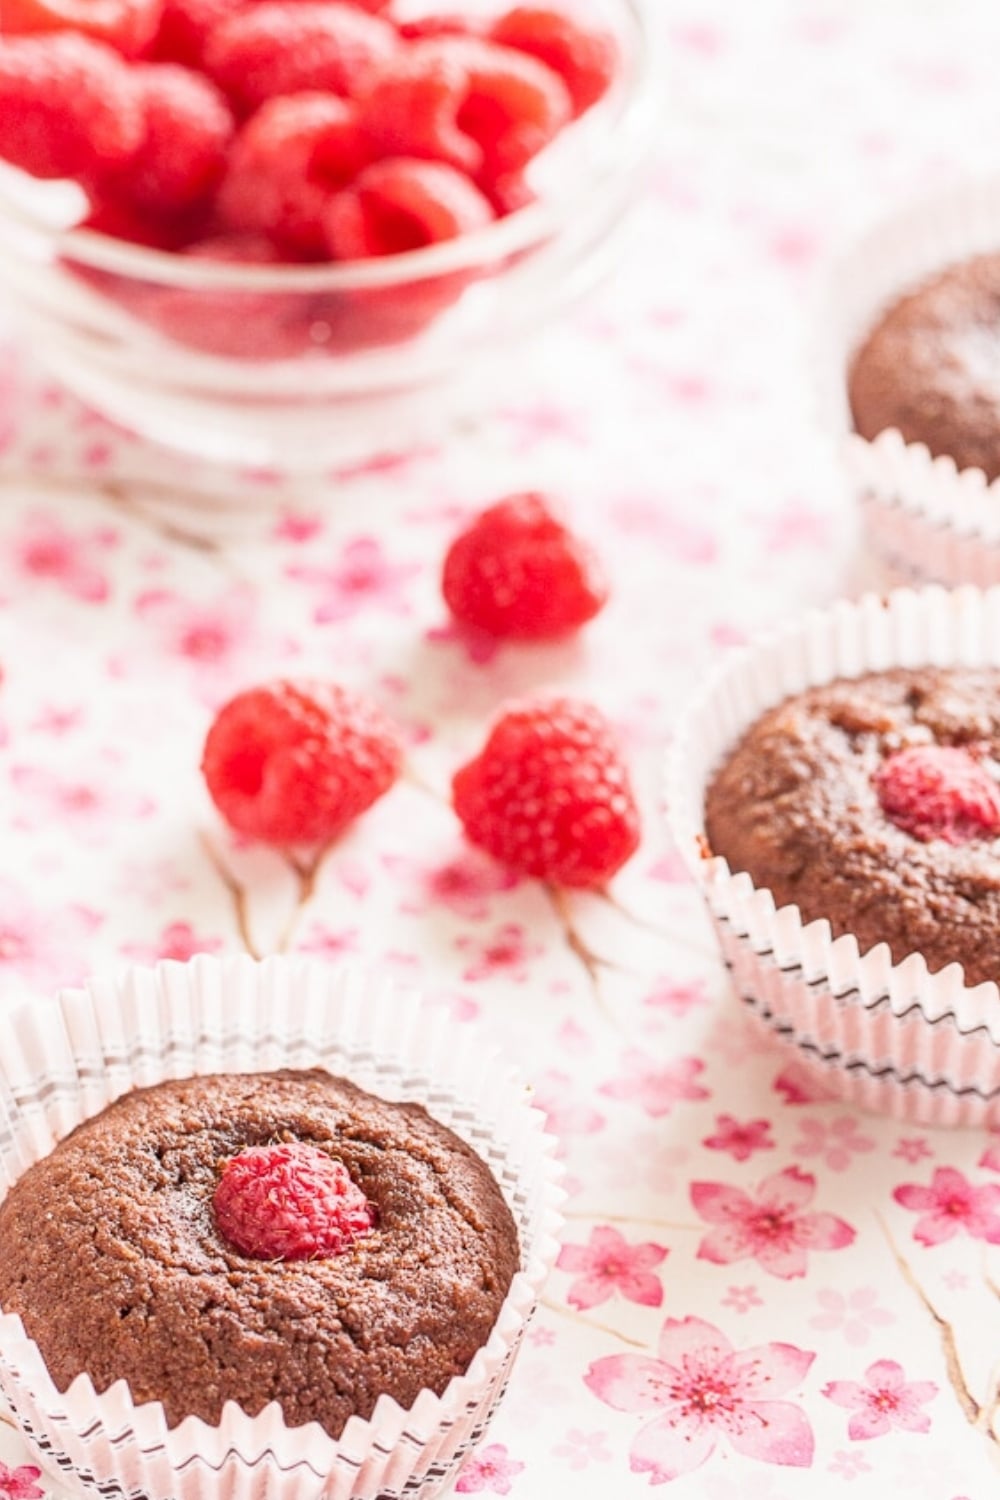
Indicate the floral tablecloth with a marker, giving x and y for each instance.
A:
(681, 1335)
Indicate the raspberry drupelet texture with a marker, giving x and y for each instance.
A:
(517, 572)
(290, 1201)
(549, 794)
(187, 127)
(585, 58)
(295, 762)
(939, 792)
(403, 204)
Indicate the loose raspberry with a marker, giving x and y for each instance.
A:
(586, 60)
(286, 47)
(285, 166)
(549, 794)
(402, 204)
(68, 107)
(517, 572)
(939, 792)
(513, 105)
(290, 1202)
(188, 127)
(126, 25)
(294, 763)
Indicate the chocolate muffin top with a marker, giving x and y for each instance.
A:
(875, 803)
(111, 1254)
(931, 367)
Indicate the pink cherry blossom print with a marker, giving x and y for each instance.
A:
(847, 1465)
(798, 1084)
(20, 1483)
(46, 551)
(740, 1138)
(178, 941)
(506, 952)
(886, 1401)
(608, 1264)
(835, 1142)
(580, 1449)
(43, 946)
(84, 803)
(990, 1158)
(220, 641)
(703, 1392)
(742, 1298)
(915, 1148)
(770, 1227)
(656, 1087)
(854, 1315)
(951, 1204)
(677, 999)
(565, 1111)
(362, 577)
(490, 1469)
(463, 885)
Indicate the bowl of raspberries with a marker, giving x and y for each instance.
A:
(280, 231)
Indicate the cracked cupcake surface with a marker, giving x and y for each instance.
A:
(875, 803)
(111, 1253)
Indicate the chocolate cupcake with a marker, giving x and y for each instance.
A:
(836, 791)
(253, 1238)
(270, 1231)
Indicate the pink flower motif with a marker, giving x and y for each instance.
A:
(835, 1143)
(490, 1469)
(769, 1228)
(178, 940)
(43, 947)
(704, 1392)
(798, 1084)
(609, 1263)
(362, 576)
(676, 998)
(506, 952)
(462, 885)
(331, 944)
(297, 526)
(554, 1096)
(848, 1465)
(955, 1281)
(644, 1159)
(84, 804)
(742, 1298)
(20, 1483)
(990, 1158)
(218, 640)
(656, 1089)
(740, 1139)
(542, 1338)
(46, 551)
(854, 1315)
(914, 1149)
(949, 1204)
(886, 1401)
(580, 1449)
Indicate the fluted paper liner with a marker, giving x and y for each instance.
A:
(64, 1060)
(926, 520)
(890, 1037)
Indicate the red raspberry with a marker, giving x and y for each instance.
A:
(290, 1202)
(513, 105)
(185, 27)
(188, 127)
(517, 572)
(294, 763)
(441, 24)
(549, 794)
(410, 108)
(402, 204)
(939, 792)
(585, 60)
(68, 107)
(126, 25)
(279, 48)
(284, 167)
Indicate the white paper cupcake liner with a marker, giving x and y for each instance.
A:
(889, 1037)
(65, 1060)
(925, 520)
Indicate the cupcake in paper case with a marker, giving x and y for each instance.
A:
(910, 347)
(267, 1230)
(836, 792)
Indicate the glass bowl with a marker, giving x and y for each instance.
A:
(295, 367)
